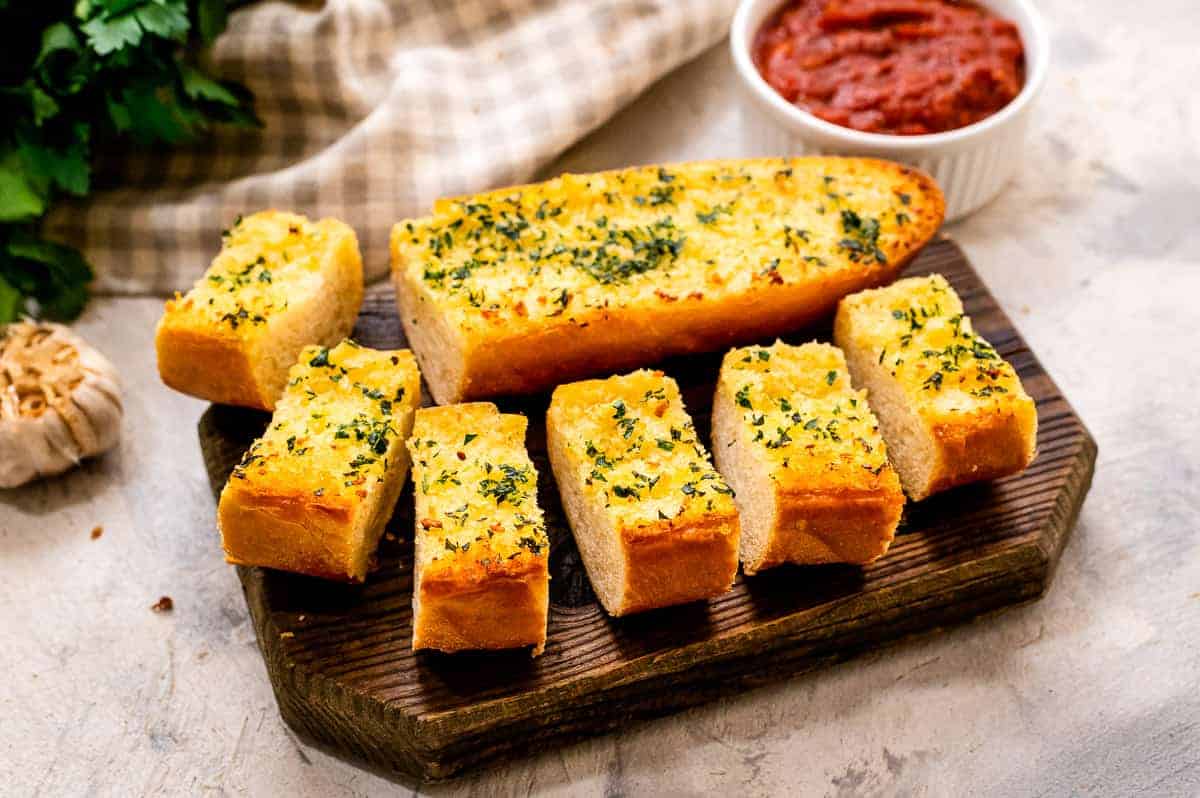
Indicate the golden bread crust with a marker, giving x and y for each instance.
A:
(607, 341)
(984, 446)
(529, 333)
(288, 530)
(474, 607)
(675, 564)
(835, 526)
(187, 357)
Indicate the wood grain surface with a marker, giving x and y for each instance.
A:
(340, 660)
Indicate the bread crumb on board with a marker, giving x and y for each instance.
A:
(164, 604)
(97, 531)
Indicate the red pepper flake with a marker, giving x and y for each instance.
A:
(164, 604)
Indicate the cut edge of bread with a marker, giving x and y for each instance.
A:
(750, 477)
(439, 348)
(911, 445)
(595, 532)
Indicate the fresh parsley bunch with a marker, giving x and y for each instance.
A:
(74, 73)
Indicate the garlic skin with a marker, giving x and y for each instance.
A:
(60, 401)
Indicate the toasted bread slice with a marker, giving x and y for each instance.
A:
(951, 409)
(803, 453)
(520, 289)
(313, 494)
(656, 525)
(279, 283)
(482, 578)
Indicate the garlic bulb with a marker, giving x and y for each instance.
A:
(59, 402)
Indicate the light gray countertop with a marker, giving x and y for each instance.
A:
(1095, 252)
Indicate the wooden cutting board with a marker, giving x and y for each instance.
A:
(345, 677)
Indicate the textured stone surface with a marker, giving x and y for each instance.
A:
(1095, 252)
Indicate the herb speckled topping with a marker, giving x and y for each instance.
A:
(922, 337)
(579, 244)
(476, 486)
(336, 427)
(265, 260)
(638, 453)
(797, 405)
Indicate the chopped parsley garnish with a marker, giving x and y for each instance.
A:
(862, 237)
(711, 216)
(506, 488)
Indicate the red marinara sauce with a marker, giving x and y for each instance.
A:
(892, 66)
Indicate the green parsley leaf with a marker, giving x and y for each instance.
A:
(10, 301)
(165, 18)
(199, 86)
(109, 35)
(20, 200)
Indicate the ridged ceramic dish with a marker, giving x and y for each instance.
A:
(971, 164)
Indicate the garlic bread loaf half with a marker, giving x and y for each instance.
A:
(482, 576)
(803, 453)
(313, 494)
(951, 409)
(655, 523)
(520, 289)
(279, 283)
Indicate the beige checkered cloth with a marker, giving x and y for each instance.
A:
(375, 108)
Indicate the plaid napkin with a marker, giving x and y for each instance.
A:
(375, 108)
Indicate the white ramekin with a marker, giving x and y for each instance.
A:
(971, 164)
